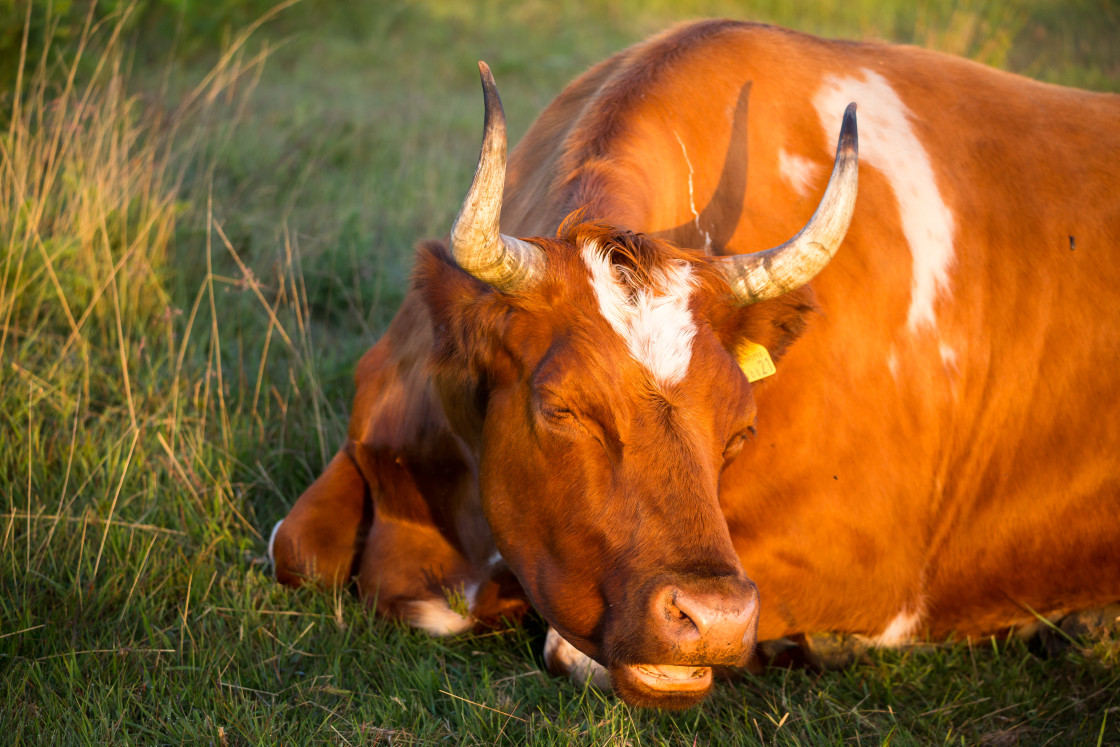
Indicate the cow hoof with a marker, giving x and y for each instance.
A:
(271, 542)
(1055, 639)
(780, 653)
(821, 651)
(563, 658)
(1094, 622)
(832, 651)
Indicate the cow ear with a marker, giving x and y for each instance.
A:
(775, 324)
(469, 318)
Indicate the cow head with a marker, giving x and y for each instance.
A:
(595, 377)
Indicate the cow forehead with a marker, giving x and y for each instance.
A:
(653, 318)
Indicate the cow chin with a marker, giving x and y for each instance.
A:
(661, 685)
(643, 685)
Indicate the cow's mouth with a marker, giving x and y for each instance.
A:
(661, 685)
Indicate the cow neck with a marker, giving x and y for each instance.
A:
(402, 442)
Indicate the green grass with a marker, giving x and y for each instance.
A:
(195, 253)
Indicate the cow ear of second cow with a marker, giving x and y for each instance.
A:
(775, 324)
(469, 318)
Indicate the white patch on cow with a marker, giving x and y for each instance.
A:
(561, 656)
(948, 356)
(892, 364)
(888, 142)
(271, 542)
(654, 321)
(899, 630)
(495, 559)
(692, 198)
(435, 616)
(800, 172)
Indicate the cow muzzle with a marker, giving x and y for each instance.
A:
(707, 626)
(690, 627)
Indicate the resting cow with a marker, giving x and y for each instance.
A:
(586, 422)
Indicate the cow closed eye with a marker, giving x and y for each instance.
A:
(559, 413)
(735, 443)
(556, 415)
(555, 411)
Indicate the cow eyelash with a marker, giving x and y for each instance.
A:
(556, 412)
(550, 405)
(563, 419)
(739, 439)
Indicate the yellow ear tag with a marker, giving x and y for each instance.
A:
(755, 360)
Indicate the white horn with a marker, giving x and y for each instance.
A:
(777, 271)
(477, 244)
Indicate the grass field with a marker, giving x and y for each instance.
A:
(196, 250)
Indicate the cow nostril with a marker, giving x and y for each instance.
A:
(698, 615)
(675, 614)
(679, 616)
(705, 620)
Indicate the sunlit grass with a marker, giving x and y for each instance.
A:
(123, 417)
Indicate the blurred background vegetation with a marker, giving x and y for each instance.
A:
(207, 211)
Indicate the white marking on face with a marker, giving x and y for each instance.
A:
(655, 322)
(561, 656)
(899, 630)
(888, 142)
(800, 172)
(692, 198)
(271, 542)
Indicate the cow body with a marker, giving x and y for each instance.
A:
(937, 452)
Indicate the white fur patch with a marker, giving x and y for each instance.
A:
(888, 142)
(271, 542)
(435, 616)
(655, 322)
(562, 656)
(948, 356)
(800, 172)
(899, 630)
(892, 364)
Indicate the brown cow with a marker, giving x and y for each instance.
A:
(580, 420)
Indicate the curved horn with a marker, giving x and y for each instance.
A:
(774, 272)
(479, 248)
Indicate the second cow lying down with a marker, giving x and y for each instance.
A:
(587, 422)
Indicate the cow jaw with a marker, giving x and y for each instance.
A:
(650, 685)
(563, 658)
(667, 686)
